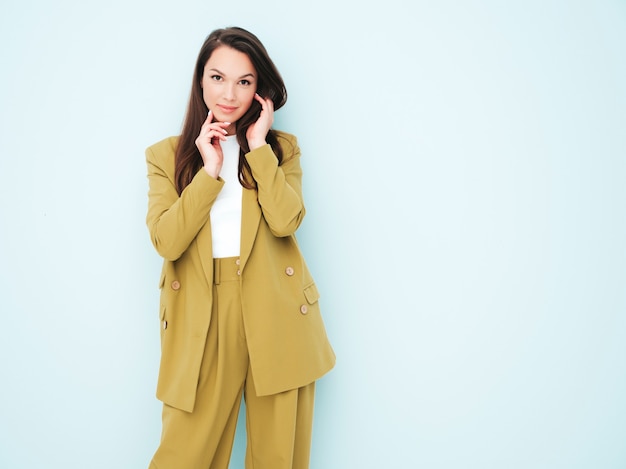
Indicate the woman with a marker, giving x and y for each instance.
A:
(239, 309)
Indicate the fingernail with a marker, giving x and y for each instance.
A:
(209, 113)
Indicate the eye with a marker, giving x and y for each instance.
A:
(216, 78)
(245, 82)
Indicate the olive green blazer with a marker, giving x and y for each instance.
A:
(286, 337)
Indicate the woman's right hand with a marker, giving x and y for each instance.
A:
(208, 143)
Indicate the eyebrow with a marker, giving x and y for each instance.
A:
(242, 76)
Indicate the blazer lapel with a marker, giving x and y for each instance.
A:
(250, 218)
(204, 244)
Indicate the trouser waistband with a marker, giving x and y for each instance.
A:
(225, 269)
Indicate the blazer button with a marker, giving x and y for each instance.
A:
(289, 271)
(304, 309)
(164, 325)
(175, 285)
(237, 262)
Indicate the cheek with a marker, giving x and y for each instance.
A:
(248, 99)
(207, 93)
(209, 89)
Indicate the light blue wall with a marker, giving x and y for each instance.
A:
(464, 178)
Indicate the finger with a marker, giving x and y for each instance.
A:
(266, 103)
(209, 120)
(212, 136)
(217, 134)
(214, 126)
(221, 128)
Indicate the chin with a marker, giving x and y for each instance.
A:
(221, 117)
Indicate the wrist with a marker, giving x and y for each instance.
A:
(213, 172)
(254, 144)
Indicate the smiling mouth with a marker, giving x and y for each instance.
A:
(226, 108)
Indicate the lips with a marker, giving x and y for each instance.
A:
(227, 109)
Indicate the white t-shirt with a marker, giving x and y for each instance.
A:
(226, 211)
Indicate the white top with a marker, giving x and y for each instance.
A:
(226, 211)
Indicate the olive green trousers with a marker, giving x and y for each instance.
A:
(278, 426)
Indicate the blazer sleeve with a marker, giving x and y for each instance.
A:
(173, 221)
(279, 187)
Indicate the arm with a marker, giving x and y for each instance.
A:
(279, 187)
(175, 221)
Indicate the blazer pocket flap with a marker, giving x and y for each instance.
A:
(311, 293)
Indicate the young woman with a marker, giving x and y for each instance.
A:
(239, 310)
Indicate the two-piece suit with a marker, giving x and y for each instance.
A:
(287, 342)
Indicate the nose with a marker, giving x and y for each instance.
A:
(229, 92)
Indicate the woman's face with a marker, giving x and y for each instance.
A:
(228, 85)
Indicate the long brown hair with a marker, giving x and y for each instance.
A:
(188, 160)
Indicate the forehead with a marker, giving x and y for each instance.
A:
(230, 62)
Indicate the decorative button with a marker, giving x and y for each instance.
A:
(237, 262)
(289, 271)
(304, 309)
(175, 285)
(239, 272)
(164, 325)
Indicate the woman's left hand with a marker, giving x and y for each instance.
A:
(258, 131)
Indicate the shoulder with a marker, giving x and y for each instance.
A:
(161, 157)
(163, 150)
(285, 138)
(289, 144)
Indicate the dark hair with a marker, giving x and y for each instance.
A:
(269, 85)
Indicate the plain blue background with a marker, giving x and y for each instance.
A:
(464, 179)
